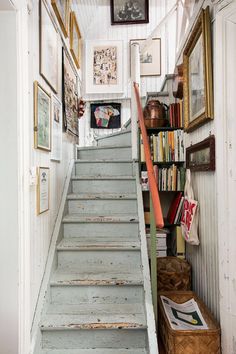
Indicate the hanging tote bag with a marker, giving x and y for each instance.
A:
(190, 214)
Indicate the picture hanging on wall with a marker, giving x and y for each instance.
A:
(43, 190)
(48, 48)
(197, 68)
(150, 58)
(129, 12)
(201, 156)
(56, 152)
(42, 118)
(62, 11)
(104, 67)
(105, 115)
(70, 95)
(75, 40)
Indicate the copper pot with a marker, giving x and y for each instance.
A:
(155, 114)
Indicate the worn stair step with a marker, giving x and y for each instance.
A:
(96, 351)
(119, 139)
(96, 243)
(103, 168)
(121, 184)
(105, 152)
(102, 203)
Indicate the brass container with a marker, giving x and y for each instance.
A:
(155, 114)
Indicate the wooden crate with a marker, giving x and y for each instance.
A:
(188, 342)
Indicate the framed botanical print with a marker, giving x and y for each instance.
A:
(62, 11)
(48, 48)
(201, 156)
(56, 151)
(75, 39)
(129, 12)
(104, 66)
(197, 67)
(42, 118)
(43, 189)
(150, 58)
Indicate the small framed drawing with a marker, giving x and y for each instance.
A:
(104, 66)
(42, 118)
(105, 116)
(48, 48)
(197, 68)
(56, 151)
(150, 58)
(201, 156)
(129, 12)
(43, 189)
(75, 39)
(62, 11)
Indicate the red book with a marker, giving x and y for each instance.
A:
(173, 208)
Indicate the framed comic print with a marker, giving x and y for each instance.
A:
(197, 68)
(201, 156)
(75, 40)
(43, 190)
(129, 12)
(62, 11)
(56, 152)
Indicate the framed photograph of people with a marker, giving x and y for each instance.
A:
(129, 12)
(201, 156)
(42, 118)
(197, 67)
(150, 57)
(62, 11)
(75, 40)
(43, 190)
(56, 151)
(104, 66)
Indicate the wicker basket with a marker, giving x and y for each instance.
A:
(205, 341)
(173, 273)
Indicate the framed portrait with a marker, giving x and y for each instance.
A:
(104, 66)
(42, 118)
(201, 156)
(75, 40)
(105, 115)
(197, 68)
(129, 12)
(56, 152)
(150, 58)
(62, 11)
(43, 189)
(70, 94)
(48, 48)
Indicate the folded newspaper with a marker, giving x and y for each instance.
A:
(186, 316)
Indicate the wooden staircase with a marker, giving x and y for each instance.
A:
(96, 302)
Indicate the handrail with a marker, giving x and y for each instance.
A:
(151, 176)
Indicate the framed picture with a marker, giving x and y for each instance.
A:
(150, 58)
(62, 11)
(105, 115)
(43, 189)
(48, 48)
(56, 152)
(201, 156)
(42, 118)
(129, 12)
(70, 95)
(198, 89)
(75, 39)
(104, 66)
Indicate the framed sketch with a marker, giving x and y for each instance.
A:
(43, 189)
(150, 58)
(75, 39)
(70, 95)
(48, 48)
(129, 12)
(42, 118)
(62, 11)
(105, 115)
(201, 156)
(198, 87)
(56, 151)
(104, 66)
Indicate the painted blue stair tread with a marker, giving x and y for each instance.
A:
(101, 196)
(102, 161)
(99, 243)
(100, 218)
(102, 178)
(95, 351)
(86, 148)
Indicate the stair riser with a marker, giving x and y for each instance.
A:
(91, 260)
(117, 294)
(104, 169)
(119, 231)
(108, 153)
(103, 186)
(118, 140)
(102, 207)
(96, 338)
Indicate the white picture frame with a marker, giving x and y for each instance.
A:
(43, 190)
(104, 66)
(56, 152)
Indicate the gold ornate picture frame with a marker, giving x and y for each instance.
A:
(75, 40)
(197, 68)
(62, 11)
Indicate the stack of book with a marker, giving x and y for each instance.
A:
(175, 210)
(168, 179)
(176, 114)
(161, 246)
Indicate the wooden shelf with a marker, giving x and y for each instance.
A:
(160, 129)
(167, 191)
(166, 163)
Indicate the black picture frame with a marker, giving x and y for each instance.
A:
(129, 12)
(201, 156)
(114, 121)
